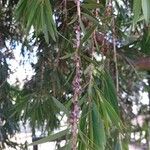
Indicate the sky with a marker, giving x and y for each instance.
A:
(21, 66)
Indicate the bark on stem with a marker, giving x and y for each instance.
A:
(74, 117)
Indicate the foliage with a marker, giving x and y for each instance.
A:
(113, 36)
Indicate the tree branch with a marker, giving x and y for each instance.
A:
(142, 63)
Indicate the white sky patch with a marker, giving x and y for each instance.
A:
(21, 66)
(144, 99)
(99, 57)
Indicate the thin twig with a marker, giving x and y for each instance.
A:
(3, 82)
(114, 47)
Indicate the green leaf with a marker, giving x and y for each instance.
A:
(109, 90)
(137, 7)
(91, 6)
(85, 142)
(74, 18)
(146, 10)
(83, 139)
(91, 18)
(38, 24)
(60, 106)
(50, 138)
(105, 115)
(68, 146)
(20, 9)
(82, 26)
(68, 55)
(88, 34)
(98, 129)
(64, 38)
(50, 22)
(89, 60)
(38, 14)
(82, 145)
(113, 115)
(44, 26)
(32, 14)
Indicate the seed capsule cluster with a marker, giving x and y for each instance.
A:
(76, 84)
(74, 116)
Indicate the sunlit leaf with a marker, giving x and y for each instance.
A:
(51, 137)
(60, 106)
(146, 10)
(137, 8)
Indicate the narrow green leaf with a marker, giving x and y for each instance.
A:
(38, 22)
(73, 20)
(109, 89)
(69, 41)
(146, 10)
(98, 129)
(84, 142)
(92, 6)
(83, 139)
(50, 22)
(91, 18)
(20, 9)
(89, 60)
(137, 7)
(50, 138)
(105, 115)
(82, 26)
(60, 106)
(83, 129)
(43, 23)
(113, 115)
(68, 146)
(32, 13)
(88, 34)
(68, 55)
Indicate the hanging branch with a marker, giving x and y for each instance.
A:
(143, 63)
(74, 117)
(93, 49)
(114, 45)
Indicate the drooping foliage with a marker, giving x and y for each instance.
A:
(88, 53)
